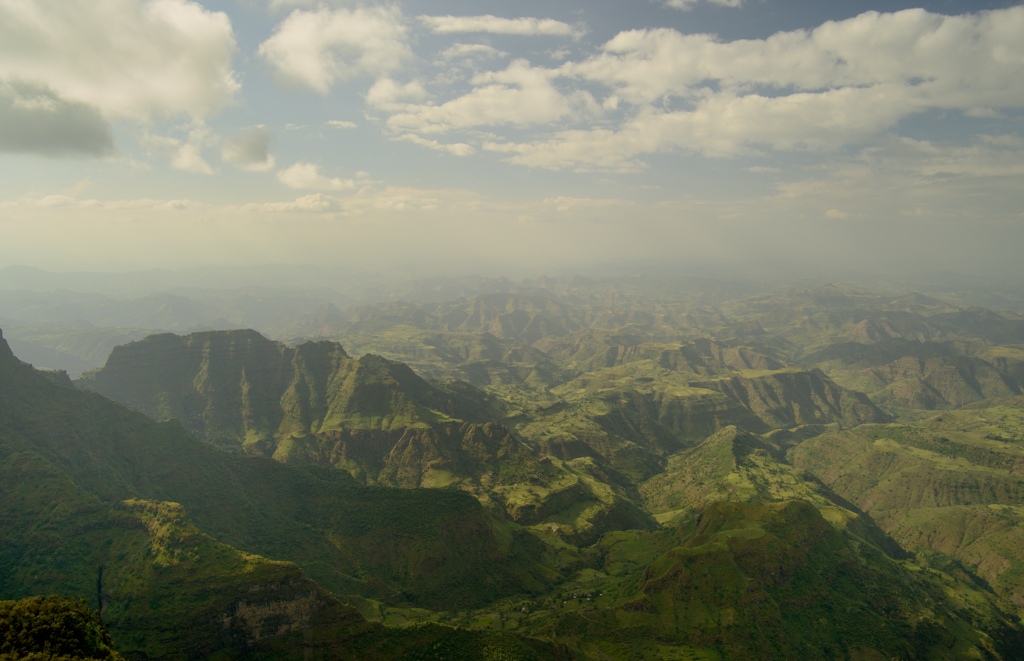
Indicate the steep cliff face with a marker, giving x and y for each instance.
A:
(689, 416)
(8, 362)
(314, 405)
(787, 398)
(311, 404)
(222, 386)
(89, 455)
(167, 586)
(906, 374)
(480, 359)
(591, 350)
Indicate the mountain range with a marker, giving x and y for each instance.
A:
(583, 472)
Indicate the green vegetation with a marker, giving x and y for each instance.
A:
(87, 484)
(54, 629)
(590, 470)
(953, 484)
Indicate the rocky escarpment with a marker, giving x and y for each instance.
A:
(788, 398)
(313, 404)
(924, 375)
(310, 404)
(591, 350)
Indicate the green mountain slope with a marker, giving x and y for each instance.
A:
(312, 404)
(789, 398)
(594, 349)
(634, 415)
(374, 418)
(480, 359)
(952, 484)
(88, 484)
(762, 561)
(595, 411)
(907, 374)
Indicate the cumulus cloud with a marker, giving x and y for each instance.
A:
(719, 125)
(583, 150)
(839, 84)
(471, 50)
(932, 55)
(497, 25)
(189, 158)
(387, 93)
(520, 95)
(33, 119)
(341, 124)
(306, 176)
(185, 155)
(455, 149)
(249, 150)
(125, 58)
(316, 49)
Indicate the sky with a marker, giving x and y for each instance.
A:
(512, 137)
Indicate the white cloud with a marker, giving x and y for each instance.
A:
(497, 25)
(315, 202)
(306, 176)
(687, 5)
(34, 119)
(189, 158)
(455, 149)
(471, 50)
(982, 113)
(341, 124)
(316, 49)
(249, 150)
(369, 201)
(567, 204)
(843, 83)
(908, 178)
(126, 58)
(520, 95)
(287, 4)
(388, 94)
(1007, 140)
(947, 61)
(987, 157)
(719, 125)
(596, 149)
(185, 155)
